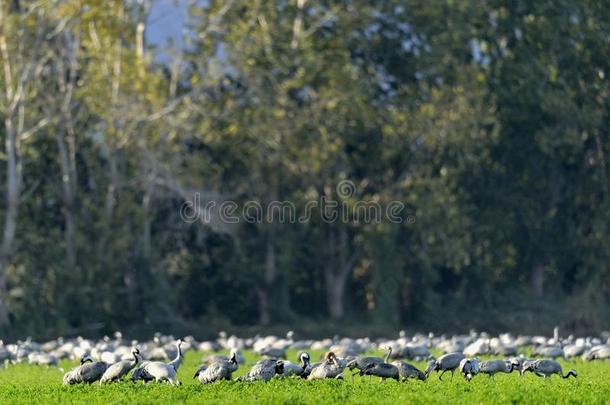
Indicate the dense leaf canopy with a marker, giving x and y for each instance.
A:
(488, 121)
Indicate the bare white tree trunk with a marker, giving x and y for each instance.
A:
(339, 267)
(268, 280)
(66, 140)
(20, 68)
(13, 191)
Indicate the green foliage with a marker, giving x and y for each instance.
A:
(488, 120)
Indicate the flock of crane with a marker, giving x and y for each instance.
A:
(114, 359)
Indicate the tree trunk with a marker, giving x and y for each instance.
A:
(537, 279)
(146, 229)
(263, 307)
(269, 278)
(110, 202)
(13, 191)
(68, 184)
(337, 271)
(335, 294)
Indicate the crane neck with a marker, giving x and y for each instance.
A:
(387, 356)
(136, 359)
(178, 359)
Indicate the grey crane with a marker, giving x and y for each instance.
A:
(87, 372)
(219, 370)
(291, 368)
(120, 369)
(42, 359)
(549, 351)
(360, 363)
(329, 368)
(492, 367)
(160, 371)
(597, 353)
(264, 370)
(469, 368)
(414, 351)
(519, 361)
(447, 362)
(383, 370)
(140, 373)
(177, 362)
(406, 371)
(201, 369)
(209, 359)
(272, 352)
(212, 358)
(546, 368)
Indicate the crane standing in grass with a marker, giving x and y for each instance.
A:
(447, 362)
(167, 372)
(492, 367)
(384, 369)
(469, 368)
(119, 370)
(291, 368)
(264, 370)
(546, 368)
(87, 372)
(217, 371)
(360, 363)
(406, 371)
(329, 368)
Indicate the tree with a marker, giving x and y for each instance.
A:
(23, 52)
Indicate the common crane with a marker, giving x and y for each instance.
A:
(219, 370)
(87, 372)
(447, 362)
(120, 369)
(546, 368)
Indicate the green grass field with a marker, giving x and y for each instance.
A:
(35, 384)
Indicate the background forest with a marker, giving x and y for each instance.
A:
(488, 119)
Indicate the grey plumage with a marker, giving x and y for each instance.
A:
(492, 367)
(329, 368)
(160, 371)
(219, 370)
(546, 368)
(120, 369)
(469, 368)
(291, 368)
(209, 359)
(200, 370)
(360, 363)
(384, 369)
(273, 352)
(414, 351)
(549, 351)
(87, 372)
(447, 362)
(406, 370)
(518, 362)
(140, 373)
(264, 370)
(597, 353)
